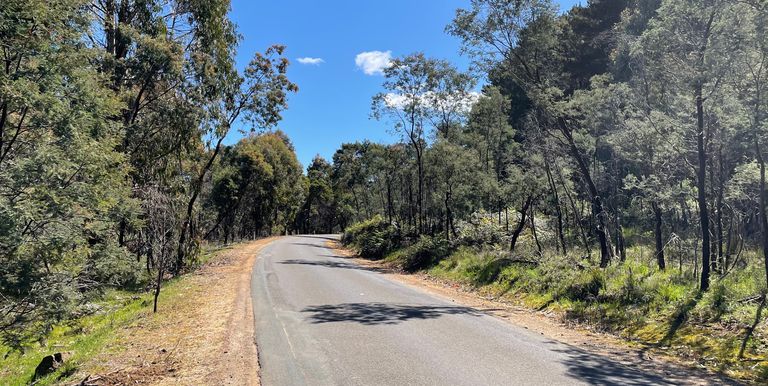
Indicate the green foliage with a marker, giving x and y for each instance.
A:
(63, 183)
(257, 188)
(373, 238)
(424, 253)
(481, 230)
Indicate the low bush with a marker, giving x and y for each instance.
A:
(425, 253)
(373, 238)
(481, 230)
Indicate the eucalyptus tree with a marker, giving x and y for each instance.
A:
(491, 137)
(172, 65)
(420, 94)
(257, 189)
(317, 214)
(239, 175)
(454, 170)
(258, 97)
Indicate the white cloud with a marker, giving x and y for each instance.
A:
(458, 103)
(373, 62)
(311, 61)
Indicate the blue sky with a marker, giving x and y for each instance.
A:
(334, 98)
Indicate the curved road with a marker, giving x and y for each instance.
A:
(323, 320)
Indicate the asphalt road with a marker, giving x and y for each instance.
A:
(323, 320)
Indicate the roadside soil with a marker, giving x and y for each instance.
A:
(552, 325)
(202, 335)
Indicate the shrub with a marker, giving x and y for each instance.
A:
(586, 286)
(482, 229)
(424, 253)
(372, 238)
(471, 265)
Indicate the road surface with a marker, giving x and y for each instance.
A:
(323, 320)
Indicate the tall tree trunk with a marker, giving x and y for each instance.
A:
(420, 188)
(558, 209)
(729, 242)
(389, 200)
(411, 215)
(158, 283)
(533, 230)
(719, 205)
(621, 248)
(658, 236)
(576, 215)
(447, 215)
(521, 223)
(598, 211)
(702, 190)
(763, 202)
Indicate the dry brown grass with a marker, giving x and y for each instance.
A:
(203, 333)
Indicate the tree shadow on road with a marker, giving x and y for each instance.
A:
(321, 237)
(311, 245)
(330, 264)
(371, 314)
(596, 369)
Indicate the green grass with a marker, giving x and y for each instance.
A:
(83, 338)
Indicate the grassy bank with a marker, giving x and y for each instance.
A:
(91, 335)
(722, 329)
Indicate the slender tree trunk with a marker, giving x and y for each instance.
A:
(729, 242)
(389, 200)
(533, 230)
(420, 198)
(576, 216)
(558, 209)
(719, 204)
(658, 236)
(447, 215)
(158, 283)
(621, 248)
(598, 211)
(702, 190)
(713, 259)
(521, 223)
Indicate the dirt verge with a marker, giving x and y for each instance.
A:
(203, 333)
